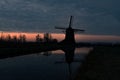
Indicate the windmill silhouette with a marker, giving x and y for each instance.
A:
(69, 33)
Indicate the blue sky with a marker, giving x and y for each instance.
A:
(95, 16)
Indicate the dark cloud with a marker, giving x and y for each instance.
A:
(96, 16)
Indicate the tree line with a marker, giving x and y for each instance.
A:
(22, 38)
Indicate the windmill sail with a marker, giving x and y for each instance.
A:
(69, 32)
(70, 23)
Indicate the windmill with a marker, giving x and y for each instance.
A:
(69, 59)
(69, 33)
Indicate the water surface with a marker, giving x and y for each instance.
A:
(41, 66)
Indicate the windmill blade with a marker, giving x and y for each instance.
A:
(60, 28)
(71, 20)
(81, 30)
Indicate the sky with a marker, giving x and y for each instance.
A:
(100, 17)
(60, 36)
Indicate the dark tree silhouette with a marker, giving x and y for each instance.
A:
(47, 37)
(8, 37)
(2, 36)
(55, 40)
(38, 38)
(22, 38)
(14, 39)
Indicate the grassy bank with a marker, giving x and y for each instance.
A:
(102, 63)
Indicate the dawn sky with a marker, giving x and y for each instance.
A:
(95, 16)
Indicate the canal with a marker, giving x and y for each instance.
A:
(52, 65)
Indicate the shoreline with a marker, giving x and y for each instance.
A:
(102, 63)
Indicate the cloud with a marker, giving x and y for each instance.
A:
(95, 16)
(24, 6)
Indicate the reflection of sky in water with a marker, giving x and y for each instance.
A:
(38, 67)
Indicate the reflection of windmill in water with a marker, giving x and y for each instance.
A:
(69, 58)
(69, 35)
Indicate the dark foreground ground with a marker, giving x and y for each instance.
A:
(103, 63)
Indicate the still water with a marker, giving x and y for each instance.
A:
(42, 66)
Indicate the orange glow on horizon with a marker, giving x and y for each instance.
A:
(97, 37)
(61, 36)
